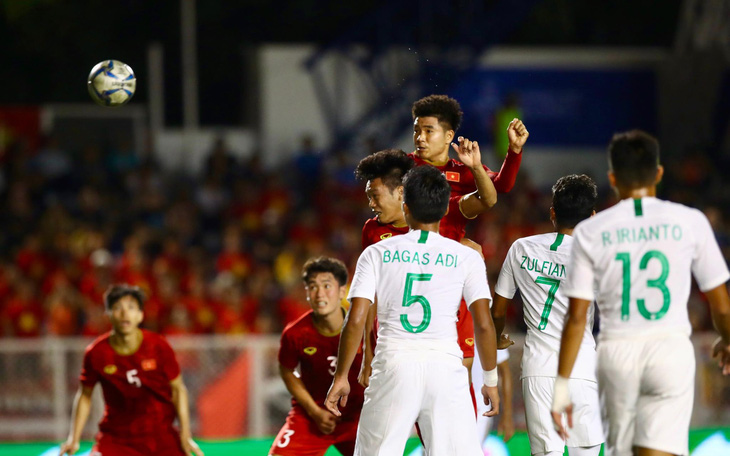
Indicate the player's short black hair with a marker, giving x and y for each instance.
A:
(390, 165)
(633, 156)
(426, 192)
(117, 291)
(574, 199)
(444, 108)
(321, 264)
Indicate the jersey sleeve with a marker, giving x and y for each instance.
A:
(708, 265)
(506, 285)
(288, 356)
(581, 275)
(475, 285)
(505, 179)
(89, 376)
(365, 278)
(365, 239)
(170, 366)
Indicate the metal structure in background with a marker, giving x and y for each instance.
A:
(408, 60)
(39, 377)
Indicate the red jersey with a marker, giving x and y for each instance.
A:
(373, 232)
(316, 355)
(462, 180)
(137, 390)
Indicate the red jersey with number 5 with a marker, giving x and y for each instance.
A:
(316, 355)
(136, 387)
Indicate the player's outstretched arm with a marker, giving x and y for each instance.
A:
(366, 369)
(79, 416)
(505, 179)
(575, 324)
(485, 196)
(720, 311)
(486, 341)
(499, 316)
(181, 402)
(349, 343)
(506, 425)
(324, 420)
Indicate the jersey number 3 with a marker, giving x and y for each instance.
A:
(409, 299)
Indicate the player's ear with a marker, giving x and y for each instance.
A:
(659, 174)
(611, 178)
(449, 136)
(343, 292)
(552, 215)
(399, 192)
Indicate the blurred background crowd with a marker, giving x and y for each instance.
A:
(221, 252)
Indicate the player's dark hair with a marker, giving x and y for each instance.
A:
(390, 165)
(633, 156)
(574, 199)
(426, 192)
(321, 264)
(117, 291)
(444, 108)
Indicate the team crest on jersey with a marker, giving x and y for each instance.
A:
(149, 364)
(310, 350)
(110, 369)
(453, 176)
(386, 235)
(470, 341)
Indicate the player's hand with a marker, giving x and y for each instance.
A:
(363, 378)
(69, 447)
(337, 394)
(506, 427)
(504, 342)
(189, 445)
(468, 152)
(517, 134)
(558, 421)
(325, 421)
(721, 351)
(491, 396)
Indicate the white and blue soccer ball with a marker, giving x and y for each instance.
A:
(111, 83)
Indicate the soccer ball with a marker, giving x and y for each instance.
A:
(111, 83)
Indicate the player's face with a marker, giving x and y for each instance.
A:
(431, 139)
(125, 315)
(324, 294)
(384, 202)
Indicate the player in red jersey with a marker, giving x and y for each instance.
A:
(142, 386)
(310, 343)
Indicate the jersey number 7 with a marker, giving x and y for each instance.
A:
(554, 284)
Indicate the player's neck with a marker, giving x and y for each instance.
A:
(425, 226)
(329, 325)
(400, 223)
(126, 344)
(565, 231)
(636, 193)
(439, 160)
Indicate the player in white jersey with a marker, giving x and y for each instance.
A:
(419, 279)
(635, 260)
(537, 266)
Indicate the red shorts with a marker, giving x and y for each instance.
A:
(465, 330)
(300, 437)
(163, 444)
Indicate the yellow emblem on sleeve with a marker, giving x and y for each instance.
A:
(386, 235)
(110, 369)
(310, 350)
(470, 341)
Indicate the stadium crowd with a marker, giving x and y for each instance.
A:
(221, 252)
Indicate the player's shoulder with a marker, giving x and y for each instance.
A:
(154, 339)
(370, 224)
(100, 343)
(302, 323)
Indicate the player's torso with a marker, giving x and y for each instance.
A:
(460, 178)
(642, 252)
(374, 231)
(420, 281)
(540, 264)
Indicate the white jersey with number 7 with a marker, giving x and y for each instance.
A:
(638, 255)
(419, 279)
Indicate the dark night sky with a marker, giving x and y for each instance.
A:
(48, 46)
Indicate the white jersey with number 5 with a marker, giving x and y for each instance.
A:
(419, 278)
(638, 255)
(537, 266)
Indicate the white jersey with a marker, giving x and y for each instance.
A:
(537, 266)
(638, 255)
(419, 279)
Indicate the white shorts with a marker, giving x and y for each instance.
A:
(538, 396)
(408, 386)
(647, 393)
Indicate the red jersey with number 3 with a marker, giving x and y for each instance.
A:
(316, 355)
(136, 387)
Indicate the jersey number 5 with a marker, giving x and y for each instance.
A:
(409, 299)
(554, 284)
(660, 283)
(133, 379)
